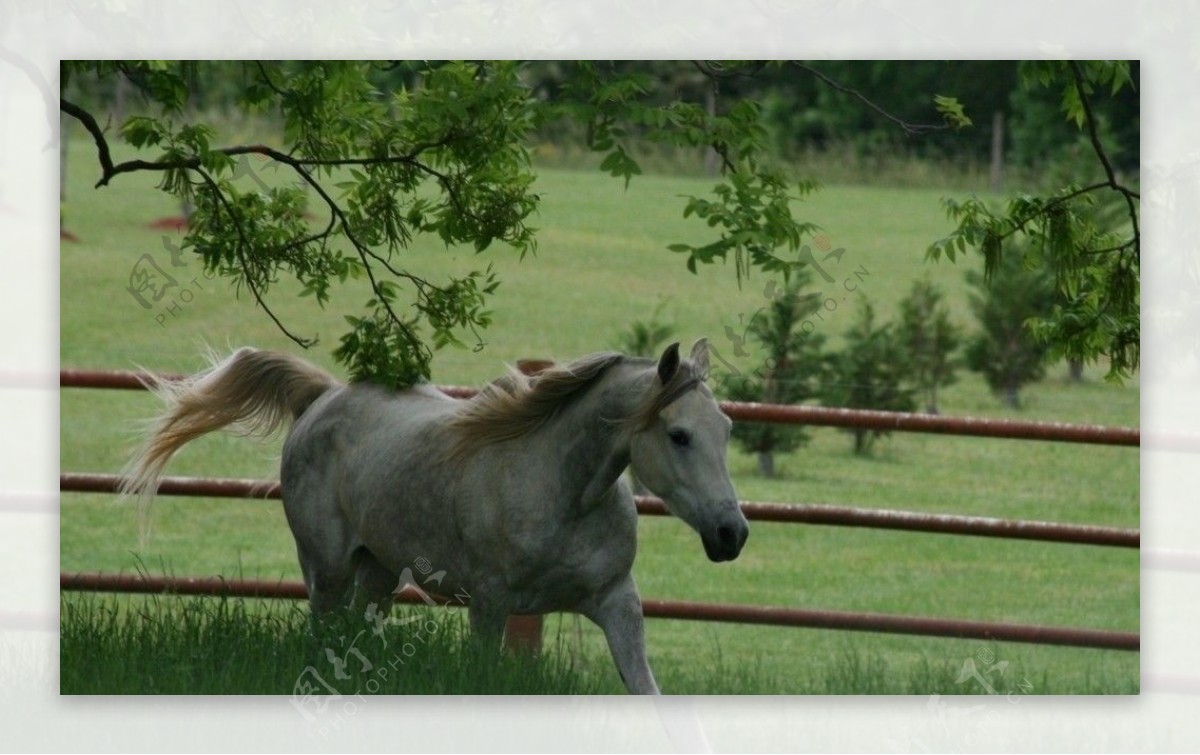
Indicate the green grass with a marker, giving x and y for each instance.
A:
(177, 646)
(603, 262)
(170, 645)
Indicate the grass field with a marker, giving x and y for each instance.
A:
(189, 646)
(603, 262)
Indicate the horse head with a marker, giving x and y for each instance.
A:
(678, 452)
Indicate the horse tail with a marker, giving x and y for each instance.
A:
(259, 391)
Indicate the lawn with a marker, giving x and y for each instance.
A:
(602, 262)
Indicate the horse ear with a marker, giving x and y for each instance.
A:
(700, 356)
(668, 363)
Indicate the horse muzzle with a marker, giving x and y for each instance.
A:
(724, 541)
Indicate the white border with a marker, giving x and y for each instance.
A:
(1159, 34)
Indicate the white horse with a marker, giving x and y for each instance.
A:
(516, 494)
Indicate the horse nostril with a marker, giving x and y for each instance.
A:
(727, 536)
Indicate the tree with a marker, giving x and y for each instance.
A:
(391, 152)
(1042, 136)
(929, 340)
(644, 338)
(804, 112)
(1095, 269)
(1004, 350)
(791, 370)
(870, 372)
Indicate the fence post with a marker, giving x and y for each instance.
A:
(523, 634)
(996, 173)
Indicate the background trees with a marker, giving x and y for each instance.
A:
(645, 338)
(389, 152)
(378, 154)
(871, 371)
(929, 341)
(790, 368)
(1004, 350)
(1096, 267)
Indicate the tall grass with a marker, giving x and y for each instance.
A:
(168, 645)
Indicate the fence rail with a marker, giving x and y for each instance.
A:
(781, 414)
(658, 609)
(796, 513)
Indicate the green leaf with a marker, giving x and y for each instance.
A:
(143, 131)
(952, 111)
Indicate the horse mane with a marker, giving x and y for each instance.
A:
(515, 404)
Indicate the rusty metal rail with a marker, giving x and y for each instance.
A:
(919, 521)
(931, 423)
(783, 414)
(120, 379)
(843, 516)
(659, 609)
(892, 624)
(214, 586)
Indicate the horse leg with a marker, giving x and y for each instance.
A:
(373, 584)
(326, 549)
(618, 611)
(328, 576)
(325, 540)
(487, 616)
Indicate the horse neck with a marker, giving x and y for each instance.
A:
(593, 433)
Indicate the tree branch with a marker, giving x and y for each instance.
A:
(1091, 124)
(1110, 249)
(717, 71)
(93, 128)
(360, 248)
(1020, 223)
(109, 170)
(262, 71)
(912, 129)
(1093, 134)
(243, 243)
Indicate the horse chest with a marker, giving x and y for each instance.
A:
(558, 567)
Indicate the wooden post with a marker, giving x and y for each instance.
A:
(523, 634)
(64, 123)
(996, 178)
(712, 161)
(119, 96)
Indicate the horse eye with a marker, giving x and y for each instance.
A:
(679, 437)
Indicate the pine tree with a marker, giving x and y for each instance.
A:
(790, 373)
(1004, 350)
(644, 338)
(930, 340)
(870, 372)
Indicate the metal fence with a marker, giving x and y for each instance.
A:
(846, 516)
